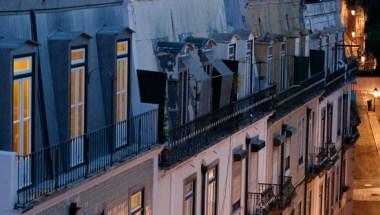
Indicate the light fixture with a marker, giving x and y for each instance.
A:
(353, 34)
(353, 12)
(362, 59)
(375, 93)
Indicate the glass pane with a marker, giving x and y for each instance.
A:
(72, 122)
(124, 69)
(80, 120)
(27, 94)
(81, 84)
(16, 100)
(189, 187)
(72, 87)
(22, 65)
(26, 137)
(118, 76)
(122, 48)
(77, 56)
(124, 106)
(16, 137)
(117, 107)
(188, 206)
(211, 173)
(136, 200)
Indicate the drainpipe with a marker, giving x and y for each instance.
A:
(246, 178)
(308, 112)
(283, 127)
(203, 171)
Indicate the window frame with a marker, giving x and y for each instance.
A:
(72, 66)
(133, 211)
(123, 55)
(208, 183)
(31, 75)
(231, 56)
(191, 179)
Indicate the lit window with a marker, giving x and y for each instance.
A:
(122, 48)
(77, 104)
(22, 65)
(22, 116)
(211, 191)
(78, 56)
(189, 197)
(136, 203)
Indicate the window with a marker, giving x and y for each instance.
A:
(249, 76)
(270, 65)
(327, 196)
(323, 125)
(122, 81)
(184, 76)
(337, 185)
(22, 116)
(211, 191)
(332, 197)
(340, 113)
(236, 184)
(345, 113)
(77, 104)
(136, 203)
(301, 140)
(232, 52)
(122, 65)
(329, 122)
(287, 155)
(283, 66)
(308, 203)
(299, 210)
(189, 196)
(320, 196)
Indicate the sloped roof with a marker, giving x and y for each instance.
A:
(6, 43)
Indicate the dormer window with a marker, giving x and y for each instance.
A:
(270, 65)
(283, 67)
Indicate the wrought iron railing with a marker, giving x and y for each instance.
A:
(58, 166)
(204, 131)
(272, 196)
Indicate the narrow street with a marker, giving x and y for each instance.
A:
(367, 160)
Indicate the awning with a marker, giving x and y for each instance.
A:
(255, 143)
(226, 79)
(290, 130)
(239, 154)
(278, 139)
(202, 82)
(152, 86)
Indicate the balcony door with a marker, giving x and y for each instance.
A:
(121, 94)
(77, 105)
(22, 117)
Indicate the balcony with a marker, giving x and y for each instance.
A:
(199, 134)
(272, 197)
(56, 167)
(298, 95)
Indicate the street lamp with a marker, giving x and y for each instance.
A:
(353, 12)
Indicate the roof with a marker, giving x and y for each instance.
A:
(201, 42)
(69, 35)
(170, 47)
(243, 33)
(115, 30)
(6, 43)
(222, 37)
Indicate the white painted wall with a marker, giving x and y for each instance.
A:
(170, 182)
(8, 182)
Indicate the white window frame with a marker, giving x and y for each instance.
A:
(232, 51)
(24, 78)
(211, 184)
(77, 141)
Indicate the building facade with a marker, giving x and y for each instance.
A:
(175, 107)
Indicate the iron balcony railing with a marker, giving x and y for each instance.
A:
(206, 130)
(272, 197)
(56, 167)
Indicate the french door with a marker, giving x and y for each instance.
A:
(77, 106)
(121, 94)
(22, 118)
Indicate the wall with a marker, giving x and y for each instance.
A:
(171, 181)
(93, 197)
